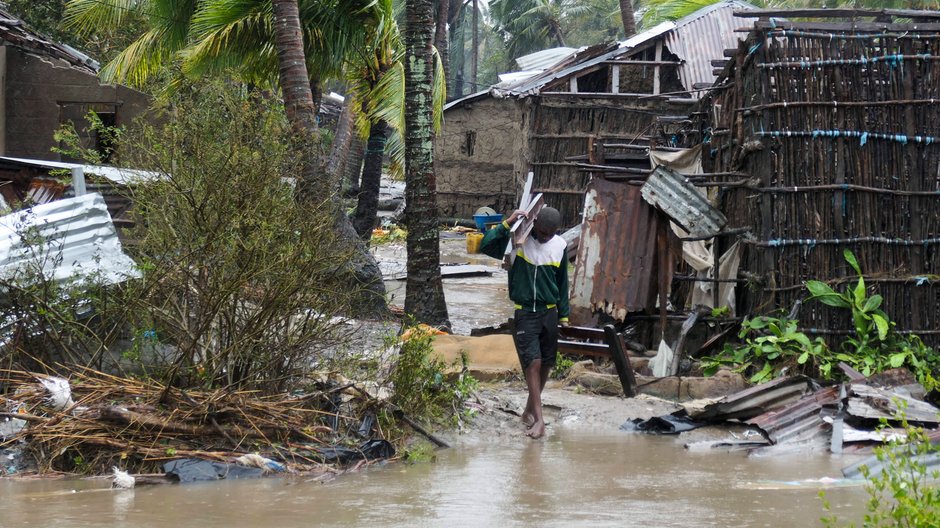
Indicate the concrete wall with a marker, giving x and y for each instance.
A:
(39, 91)
(474, 157)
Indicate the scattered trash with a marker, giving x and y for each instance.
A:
(371, 450)
(196, 470)
(265, 464)
(794, 413)
(122, 479)
(60, 393)
(675, 423)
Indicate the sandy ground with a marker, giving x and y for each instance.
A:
(498, 409)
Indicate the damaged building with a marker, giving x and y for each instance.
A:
(629, 93)
(44, 84)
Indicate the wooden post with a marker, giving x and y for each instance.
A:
(573, 85)
(656, 69)
(618, 351)
(615, 79)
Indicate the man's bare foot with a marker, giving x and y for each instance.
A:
(536, 431)
(528, 419)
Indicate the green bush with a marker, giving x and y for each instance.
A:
(241, 277)
(905, 492)
(774, 345)
(420, 385)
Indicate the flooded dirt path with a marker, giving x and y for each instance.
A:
(575, 477)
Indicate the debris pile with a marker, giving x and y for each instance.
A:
(796, 413)
(140, 425)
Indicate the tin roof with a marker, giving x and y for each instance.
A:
(696, 39)
(117, 175)
(14, 31)
(78, 241)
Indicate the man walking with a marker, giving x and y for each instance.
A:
(538, 285)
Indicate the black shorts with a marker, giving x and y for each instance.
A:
(536, 336)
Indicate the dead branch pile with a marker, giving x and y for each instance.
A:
(140, 424)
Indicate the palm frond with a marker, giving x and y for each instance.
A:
(87, 16)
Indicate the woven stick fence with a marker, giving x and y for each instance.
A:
(837, 126)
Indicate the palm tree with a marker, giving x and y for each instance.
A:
(533, 25)
(424, 294)
(629, 21)
(262, 40)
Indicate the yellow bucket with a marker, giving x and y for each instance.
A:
(473, 242)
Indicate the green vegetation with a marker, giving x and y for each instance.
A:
(420, 385)
(773, 346)
(905, 492)
(241, 280)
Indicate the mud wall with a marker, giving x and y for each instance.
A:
(41, 93)
(474, 157)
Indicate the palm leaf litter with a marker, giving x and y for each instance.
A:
(142, 424)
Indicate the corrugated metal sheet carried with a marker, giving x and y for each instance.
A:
(607, 277)
(78, 241)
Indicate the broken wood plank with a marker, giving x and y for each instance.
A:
(618, 352)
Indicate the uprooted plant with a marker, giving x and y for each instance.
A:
(774, 345)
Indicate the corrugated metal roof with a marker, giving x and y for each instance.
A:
(702, 39)
(798, 421)
(544, 59)
(115, 174)
(696, 39)
(680, 200)
(757, 400)
(79, 241)
(617, 251)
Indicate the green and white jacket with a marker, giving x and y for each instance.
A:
(538, 279)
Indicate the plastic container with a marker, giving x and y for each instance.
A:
(473, 242)
(483, 220)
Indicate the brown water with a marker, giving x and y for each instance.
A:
(572, 478)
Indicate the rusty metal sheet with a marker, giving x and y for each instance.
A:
(616, 264)
(798, 421)
(680, 200)
(757, 400)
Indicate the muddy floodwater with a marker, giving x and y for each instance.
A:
(575, 477)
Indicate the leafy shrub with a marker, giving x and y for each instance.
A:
(240, 276)
(774, 344)
(905, 492)
(420, 386)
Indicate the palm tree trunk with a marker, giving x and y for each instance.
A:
(292, 66)
(342, 140)
(626, 14)
(354, 166)
(440, 33)
(301, 112)
(475, 57)
(424, 292)
(368, 205)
